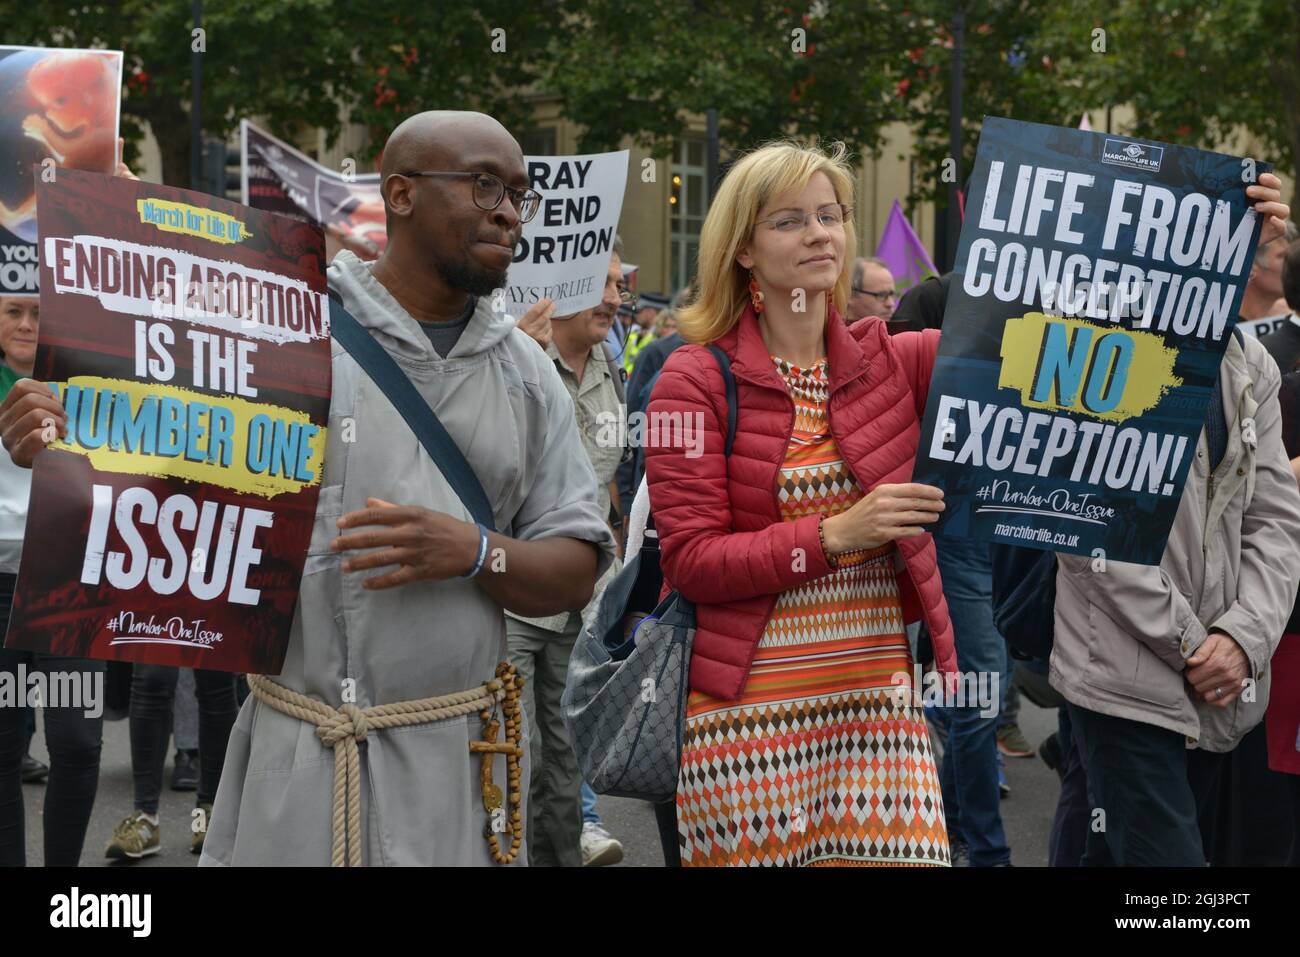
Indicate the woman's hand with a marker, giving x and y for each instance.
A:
(888, 513)
(1267, 194)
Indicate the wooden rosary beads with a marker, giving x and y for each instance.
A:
(508, 682)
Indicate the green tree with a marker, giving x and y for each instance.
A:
(1192, 72)
(488, 56)
(770, 68)
(1006, 72)
(296, 63)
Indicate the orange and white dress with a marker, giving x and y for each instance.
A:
(823, 760)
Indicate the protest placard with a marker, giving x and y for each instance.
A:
(564, 253)
(58, 108)
(1259, 328)
(188, 339)
(278, 178)
(1096, 286)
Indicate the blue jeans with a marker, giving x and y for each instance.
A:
(969, 774)
(589, 815)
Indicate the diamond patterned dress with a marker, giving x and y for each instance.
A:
(824, 760)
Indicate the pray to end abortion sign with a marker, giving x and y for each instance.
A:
(565, 249)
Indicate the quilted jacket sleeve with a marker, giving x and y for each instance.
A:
(916, 352)
(690, 500)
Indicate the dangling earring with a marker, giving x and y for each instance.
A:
(755, 294)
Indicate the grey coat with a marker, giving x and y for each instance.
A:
(1124, 632)
(501, 400)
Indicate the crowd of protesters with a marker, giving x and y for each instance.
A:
(1177, 686)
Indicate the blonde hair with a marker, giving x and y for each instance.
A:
(721, 282)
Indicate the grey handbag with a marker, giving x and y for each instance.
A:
(624, 701)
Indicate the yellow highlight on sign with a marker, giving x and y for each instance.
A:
(175, 217)
(143, 428)
(1071, 365)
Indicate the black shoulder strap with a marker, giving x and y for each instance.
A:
(379, 365)
(730, 383)
(616, 371)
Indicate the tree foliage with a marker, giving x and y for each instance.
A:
(1191, 71)
(768, 67)
(297, 63)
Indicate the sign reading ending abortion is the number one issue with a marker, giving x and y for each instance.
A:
(188, 339)
(1096, 286)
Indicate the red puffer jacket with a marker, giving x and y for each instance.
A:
(723, 543)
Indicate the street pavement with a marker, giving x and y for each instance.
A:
(1027, 813)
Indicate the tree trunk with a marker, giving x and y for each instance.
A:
(170, 124)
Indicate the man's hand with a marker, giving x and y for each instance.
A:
(1269, 206)
(1218, 669)
(427, 545)
(537, 321)
(30, 419)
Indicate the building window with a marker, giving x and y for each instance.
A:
(539, 141)
(687, 203)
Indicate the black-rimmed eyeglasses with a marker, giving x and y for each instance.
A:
(489, 190)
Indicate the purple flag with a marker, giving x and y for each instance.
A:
(902, 250)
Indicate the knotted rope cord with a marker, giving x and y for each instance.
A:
(341, 728)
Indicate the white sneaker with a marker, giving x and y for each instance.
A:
(599, 847)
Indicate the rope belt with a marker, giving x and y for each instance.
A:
(341, 728)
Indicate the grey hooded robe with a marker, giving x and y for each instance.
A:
(502, 401)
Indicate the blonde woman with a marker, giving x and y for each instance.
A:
(804, 551)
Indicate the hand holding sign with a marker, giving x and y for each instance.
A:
(886, 514)
(537, 322)
(31, 417)
(1267, 194)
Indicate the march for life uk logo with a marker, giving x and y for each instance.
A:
(1133, 155)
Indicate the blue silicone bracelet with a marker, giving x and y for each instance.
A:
(482, 553)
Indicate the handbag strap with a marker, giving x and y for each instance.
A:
(406, 399)
(729, 382)
(729, 385)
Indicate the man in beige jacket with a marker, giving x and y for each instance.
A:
(1156, 660)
